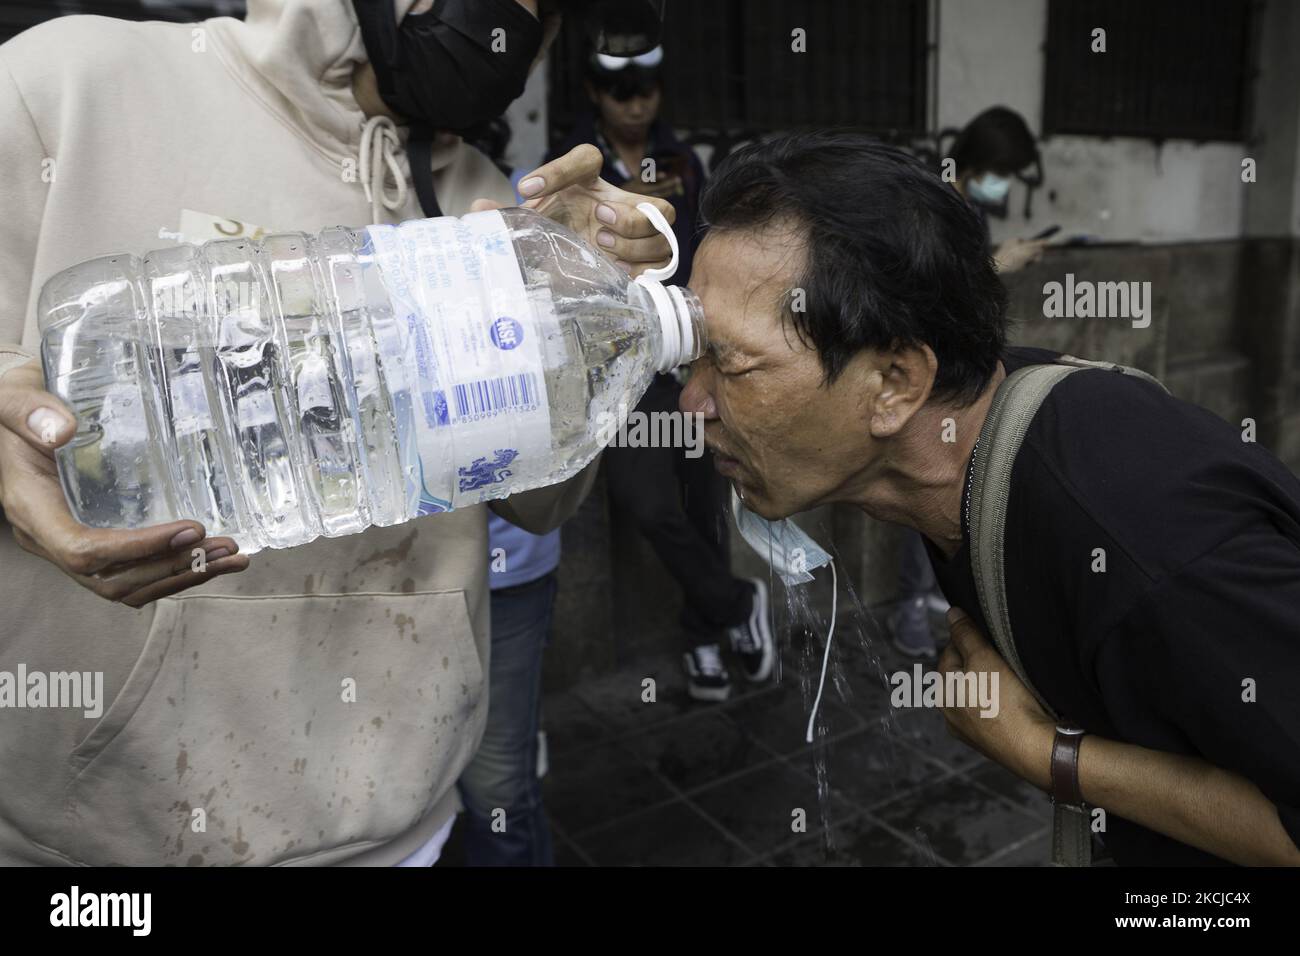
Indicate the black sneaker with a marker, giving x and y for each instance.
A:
(706, 677)
(753, 639)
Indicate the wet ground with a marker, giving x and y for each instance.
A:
(681, 783)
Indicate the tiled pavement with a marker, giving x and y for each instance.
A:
(676, 782)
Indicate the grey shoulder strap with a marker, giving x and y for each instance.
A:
(1014, 406)
(1078, 363)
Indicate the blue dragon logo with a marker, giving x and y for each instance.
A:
(482, 473)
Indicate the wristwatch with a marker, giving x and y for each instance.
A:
(1065, 765)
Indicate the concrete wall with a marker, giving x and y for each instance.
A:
(991, 53)
(1269, 287)
(1220, 253)
(1274, 209)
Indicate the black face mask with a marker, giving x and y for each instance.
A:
(457, 66)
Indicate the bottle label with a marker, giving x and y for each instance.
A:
(473, 356)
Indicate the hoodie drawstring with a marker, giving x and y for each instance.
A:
(379, 146)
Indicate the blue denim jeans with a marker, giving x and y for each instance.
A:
(503, 774)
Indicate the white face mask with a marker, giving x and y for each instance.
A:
(792, 553)
(990, 189)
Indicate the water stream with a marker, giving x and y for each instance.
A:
(856, 635)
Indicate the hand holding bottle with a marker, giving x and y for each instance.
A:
(569, 190)
(132, 567)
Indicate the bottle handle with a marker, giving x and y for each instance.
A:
(660, 223)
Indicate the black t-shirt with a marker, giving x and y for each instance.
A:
(1201, 590)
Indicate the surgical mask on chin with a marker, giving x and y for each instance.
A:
(457, 66)
(989, 190)
(790, 550)
(793, 555)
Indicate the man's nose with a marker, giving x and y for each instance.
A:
(696, 397)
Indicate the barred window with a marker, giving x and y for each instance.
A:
(1171, 68)
(730, 66)
(18, 15)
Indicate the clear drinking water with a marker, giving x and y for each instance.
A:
(316, 385)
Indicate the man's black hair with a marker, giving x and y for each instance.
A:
(995, 141)
(893, 254)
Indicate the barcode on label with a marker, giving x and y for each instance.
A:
(491, 395)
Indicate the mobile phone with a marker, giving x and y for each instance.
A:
(671, 165)
(1048, 233)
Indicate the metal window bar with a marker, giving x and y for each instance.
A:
(731, 72)
(1172, 68)
(19, 15)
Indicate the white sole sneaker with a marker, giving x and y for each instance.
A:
(713, 695)
(758, 624)
(701, 691)
(936, 603)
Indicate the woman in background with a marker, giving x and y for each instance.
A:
(989, 151)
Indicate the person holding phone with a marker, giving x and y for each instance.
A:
(674, 499)
(642, 154)
(989, 151)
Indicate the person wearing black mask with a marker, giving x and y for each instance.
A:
(444, 67)
(278, 127)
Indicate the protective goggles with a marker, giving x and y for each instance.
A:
(616, 28)
(616, 63)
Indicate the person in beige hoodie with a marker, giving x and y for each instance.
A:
(307, 706)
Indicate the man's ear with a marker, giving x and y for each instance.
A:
(905, 379)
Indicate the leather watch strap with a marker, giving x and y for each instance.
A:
(1065, 766)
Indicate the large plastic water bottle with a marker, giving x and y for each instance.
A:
(297, 386)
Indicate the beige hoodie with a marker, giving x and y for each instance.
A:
(225, 734)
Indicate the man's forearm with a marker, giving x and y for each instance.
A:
(1186, 798)
(544, 509)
